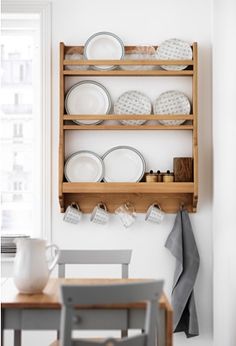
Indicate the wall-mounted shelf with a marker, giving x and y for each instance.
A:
(169, 195)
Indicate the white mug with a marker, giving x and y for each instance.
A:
(72, 213)
(100, 214)
(127, 215)
(155, 214)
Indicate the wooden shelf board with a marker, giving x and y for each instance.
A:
(128, 117)
(115, 73)
(169, 203)
(113, 188)
(127, 127)
(128, 62)
(128, 48)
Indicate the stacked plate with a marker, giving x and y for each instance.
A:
(8, 245)
(119, 164)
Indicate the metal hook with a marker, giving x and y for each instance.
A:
(182, 206)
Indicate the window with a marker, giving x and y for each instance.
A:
(25, 119)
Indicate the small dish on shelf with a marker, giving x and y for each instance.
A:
(84, 166)
(104, 46)
(172, 102)
(174, 49)
(123, 164)
(75, 56)
(88, 97)
(139, 53)
(133, 102)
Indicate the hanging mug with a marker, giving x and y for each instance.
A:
(155, 214)
(100, 214)
(72, 214)
(126, 213)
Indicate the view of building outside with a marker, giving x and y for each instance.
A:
(19, 85)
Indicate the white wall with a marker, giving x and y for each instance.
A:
(142, 22)
(139, 22)
(224, 125)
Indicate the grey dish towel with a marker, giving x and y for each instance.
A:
(182, 245)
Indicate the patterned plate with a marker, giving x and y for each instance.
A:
(172, 102)
(133, 102)
(174, 49)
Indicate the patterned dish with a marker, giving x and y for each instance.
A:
(104, 45)
(174, 49)
(172, 102)
(133, 102)
(139, 53)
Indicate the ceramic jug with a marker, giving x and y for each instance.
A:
(31, 270)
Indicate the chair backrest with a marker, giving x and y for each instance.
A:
(121, 257)
(79, 296)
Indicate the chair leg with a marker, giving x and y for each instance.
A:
(124, 333)
(17, 337)
(58, 334)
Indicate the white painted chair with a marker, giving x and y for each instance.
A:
(72, 296)
(103, 257)
(119, 257)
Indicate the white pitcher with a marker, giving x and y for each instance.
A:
(31, 271)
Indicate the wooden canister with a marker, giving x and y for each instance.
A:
(151, 177)
(168, 177)
(183, 168)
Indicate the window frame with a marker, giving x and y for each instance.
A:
(43, 9)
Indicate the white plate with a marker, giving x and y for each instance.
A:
(104, 46)
(88, 97)
(123, 164)
(174, 49)
(133, 102)
(172, 102)
(84, 166)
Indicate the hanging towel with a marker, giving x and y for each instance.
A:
(182, 245)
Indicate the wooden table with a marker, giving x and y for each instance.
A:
(42, 311)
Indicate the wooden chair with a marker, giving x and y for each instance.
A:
(121, 257)
(72, 296)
